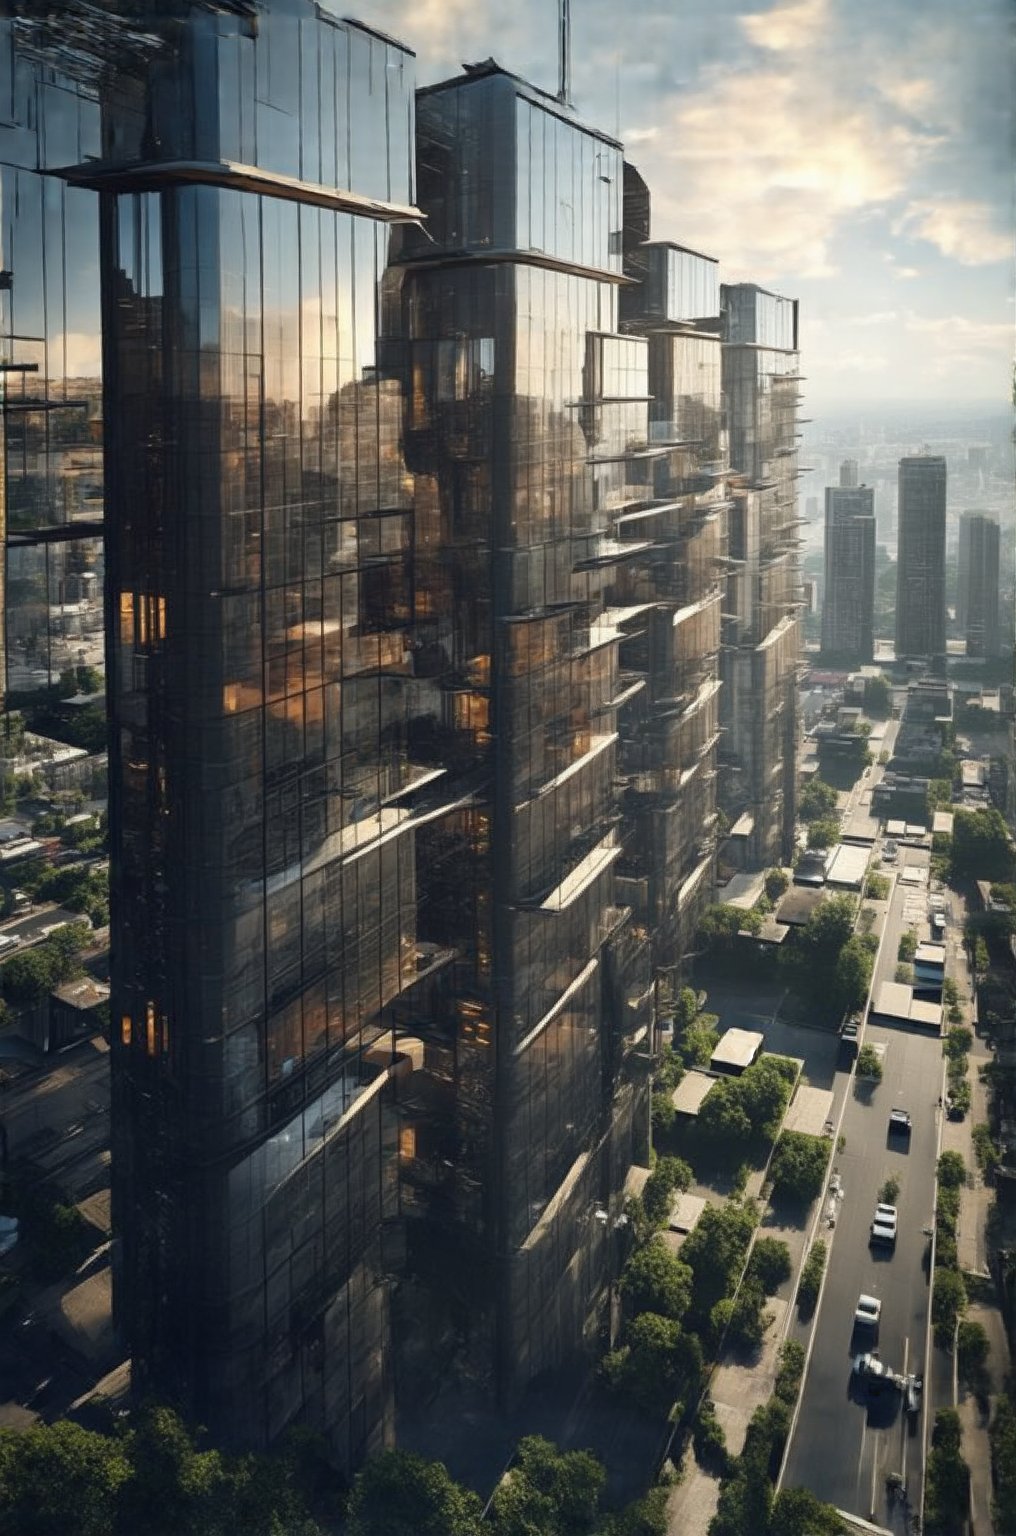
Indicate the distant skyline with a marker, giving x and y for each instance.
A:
(854, 154)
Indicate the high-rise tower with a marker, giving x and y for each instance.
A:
(848, 608)
(920, 571)
(979, 584)
(758, 705)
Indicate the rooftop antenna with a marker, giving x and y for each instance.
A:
(564, 52)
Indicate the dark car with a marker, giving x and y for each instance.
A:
(899, 1122)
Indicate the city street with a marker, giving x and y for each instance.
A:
(845, 1443)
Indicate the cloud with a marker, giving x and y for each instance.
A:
(961, 228)
(767, 186)
(787, 28)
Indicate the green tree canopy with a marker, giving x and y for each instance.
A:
(823, 833)
(816, 800)
(981, 847)
(546, 1489)
(656, 1364)
(655, 1280)
(852, 975)
(878, 696)
(715, 1251)
(799, 1165)
(401, 1494)
(797, 1512)
(59, 1480)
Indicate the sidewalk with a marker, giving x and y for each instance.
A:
(737, 1389)
(976, 1199)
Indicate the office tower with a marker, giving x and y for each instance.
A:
(567, 571)
(262, 798)
(920, 571)
(758, 705)
(979, 583)
(670, 731)
(848, 474)
(848, 609)
(51, 501)
(414, 552)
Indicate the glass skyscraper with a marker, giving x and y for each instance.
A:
(920, 566)
(412, 457)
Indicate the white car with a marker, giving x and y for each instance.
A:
(899, 1121)
(883, 1228)
(868, 1311)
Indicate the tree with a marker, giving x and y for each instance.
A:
(769, 1264)
(715, 1251)
(655, 1280)
(401, 1494)
(816, 800)
(878, 696)
(1003, 1464)
(670, 1174)
(646, 1517)
(776, 883)
(824, 833)
(947, 1490)
(59, 1480)
(546, 1489)
(876, 887)
(799, 1165)
(972, 1349)
(981, 846)
(952, 1170)
(655, 1364)
(810, 1282)
(869, 1063)
(748, 1319)
(907, 946)
(797, 1512)
(852, 976)
(948, 1303)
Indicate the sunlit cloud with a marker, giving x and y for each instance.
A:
(790, 28)
(962, 229)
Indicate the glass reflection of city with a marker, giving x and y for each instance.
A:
(420, 533)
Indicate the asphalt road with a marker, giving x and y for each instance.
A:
(846, 1443)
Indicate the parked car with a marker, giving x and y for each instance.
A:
(899, 1121)
(868, 1311)
(883, 1228)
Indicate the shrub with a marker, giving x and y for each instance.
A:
(957, 1042)
(952, 1171)
(769, 1264)
(1003, 1464)
(986, 1150)
(869, 1063)
(972, 1349)
(822, 834)
(877, 887)
(799, 1165)
(889, 1191)
(749, 1318)
(670, 1174)
(654, 1280)
(908, 945)
(810, 1282)
(947, 1490)
(776, 882)
(789, 1372)
(948, 1303)
(709, 1443)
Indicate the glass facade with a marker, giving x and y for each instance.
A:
(264, 799)
(920, 569)
(413, 553)
(759, 713)
(51, 479)
(848, 609)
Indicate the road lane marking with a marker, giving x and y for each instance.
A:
(874, 1475)
(903, 1415)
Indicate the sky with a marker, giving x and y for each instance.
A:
(855, 154)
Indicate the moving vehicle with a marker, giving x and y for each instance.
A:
(899, 1121)
(883, 1228)
(868, 1311)
(875, 1374)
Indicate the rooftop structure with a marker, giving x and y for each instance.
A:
(735, 1050)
